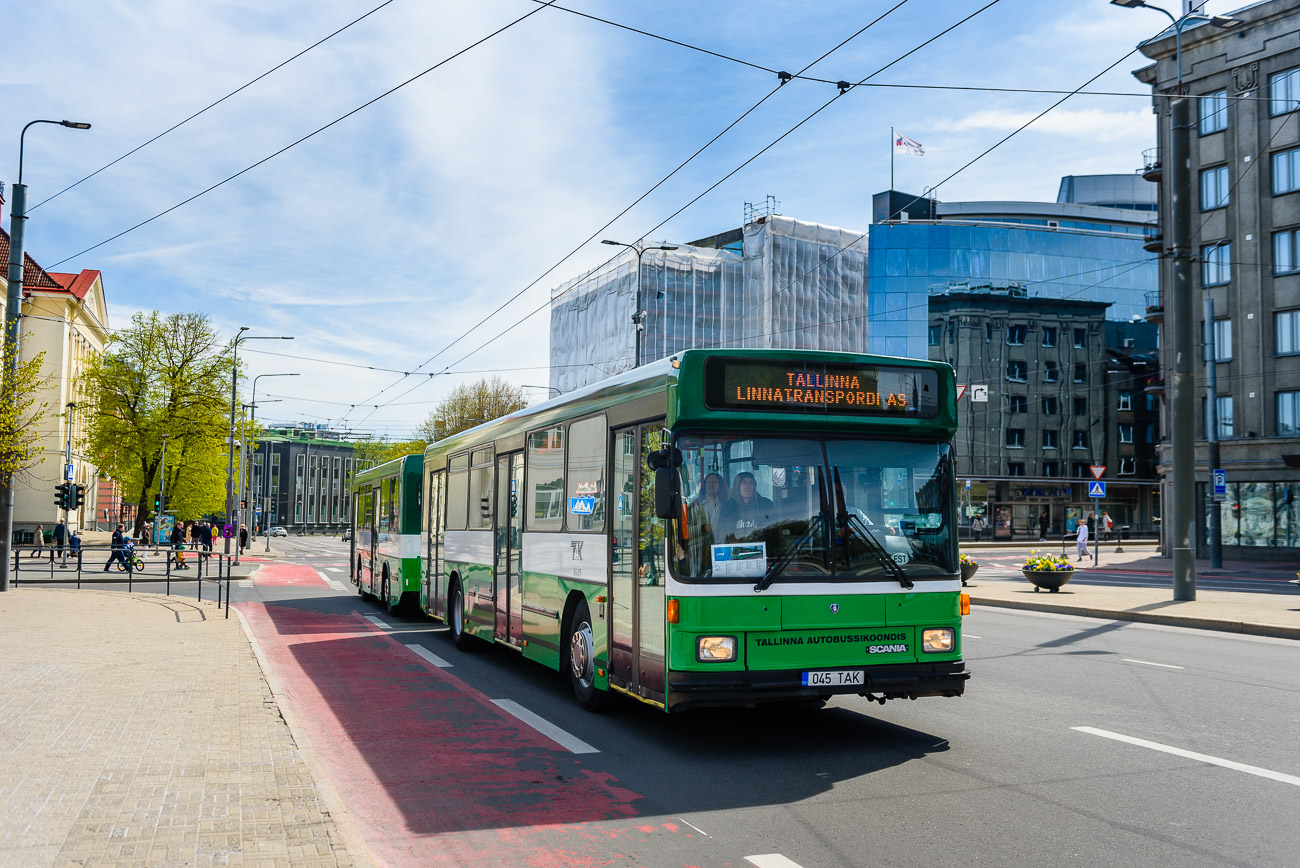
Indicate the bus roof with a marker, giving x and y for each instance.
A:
(409, 464)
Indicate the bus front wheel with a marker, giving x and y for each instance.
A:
(456, 620)
(582, 660)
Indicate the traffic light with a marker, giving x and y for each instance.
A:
(1236, 510)
(77, 496)
(61, 495)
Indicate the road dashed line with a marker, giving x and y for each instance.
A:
(567, 740)
(1192, 755)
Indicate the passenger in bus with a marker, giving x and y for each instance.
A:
(703, 512)
(747, 513)
(712, 498)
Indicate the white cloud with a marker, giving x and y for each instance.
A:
(1097, 125)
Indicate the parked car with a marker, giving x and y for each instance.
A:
(276, 531)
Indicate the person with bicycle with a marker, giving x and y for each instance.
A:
(119, 546)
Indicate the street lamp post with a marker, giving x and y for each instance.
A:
(638, 317)
(232, 515)
(14, 300)
(67, 477)
(266, 522)
(162, 492)
(1182, 406)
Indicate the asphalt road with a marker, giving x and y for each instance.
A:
(1079, 742)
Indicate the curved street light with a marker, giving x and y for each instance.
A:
(638, 316)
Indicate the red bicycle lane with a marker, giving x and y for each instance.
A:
(430, 771)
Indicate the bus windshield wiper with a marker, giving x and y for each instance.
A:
(815, 527)
(849, 522)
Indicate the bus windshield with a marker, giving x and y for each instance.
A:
(814, 508)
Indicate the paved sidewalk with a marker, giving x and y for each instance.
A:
(1231, 611)
(137, 729)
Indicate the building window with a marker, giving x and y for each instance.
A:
(1286, 171)
(1081, 406)
(1016, 335)
(1283, 91)
(1288, 413)
(1080, 440)
(1051, 372)
(1287, 332)
(1015, 438)
(1127, 466)
(1018, 403)
(1285, 244)
(1216, 267)
(1224, 407)
(1214, 112)
(1081, 373)
(1050, 405)
(936, 335)
(1079, 469)
(1017, 371)
(1015, 468)
(1223, 340)
(1051, 468)
(1049, 336)
(1126, 400)
(988, 332)
(1126, 433)
(1049, 438)
(1151, 432)
(952, 331)
(1214, 188)
(1081, 339)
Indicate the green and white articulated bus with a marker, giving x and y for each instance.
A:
(717, 528)
(387, 536)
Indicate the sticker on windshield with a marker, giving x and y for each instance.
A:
(740, 560)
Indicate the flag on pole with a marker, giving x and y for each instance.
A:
(904, 145)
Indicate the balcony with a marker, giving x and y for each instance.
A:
(1155, 386)
(1155, 308)
(1151, 165)
(1154, 242)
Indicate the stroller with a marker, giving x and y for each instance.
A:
(180, 557)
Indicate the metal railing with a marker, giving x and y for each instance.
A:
(60, 564)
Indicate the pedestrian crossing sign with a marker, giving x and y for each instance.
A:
(1097, 489)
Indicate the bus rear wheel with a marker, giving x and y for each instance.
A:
(456, 620)
(582, 660)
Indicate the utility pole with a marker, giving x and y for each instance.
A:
(67, 477)
(638, 316)
(1182, 339)
(1212, 432)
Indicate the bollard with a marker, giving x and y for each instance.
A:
(227, 594)
(130, 574)
(78, 569)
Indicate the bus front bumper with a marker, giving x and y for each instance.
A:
(897, 681)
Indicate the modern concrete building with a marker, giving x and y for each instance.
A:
(299, 478)
(65, 316)
(1245, 165)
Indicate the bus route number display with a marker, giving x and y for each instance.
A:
(851, 390)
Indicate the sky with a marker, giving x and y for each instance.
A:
(389, 239)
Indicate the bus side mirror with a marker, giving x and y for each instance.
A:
(666, 497)
(668, 456)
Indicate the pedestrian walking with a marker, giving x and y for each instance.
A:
(40, 541)
(194, 532)
(1043, 521)
(976, 528)
(243, 538)
(60, 536)
(1081, 537)
(119, 545)
(205, 536)
(1107, 525)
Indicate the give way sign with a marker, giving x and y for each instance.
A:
(1098, 470)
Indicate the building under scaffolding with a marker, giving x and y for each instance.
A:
(778, 283)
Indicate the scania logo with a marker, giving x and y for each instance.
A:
(835, 608)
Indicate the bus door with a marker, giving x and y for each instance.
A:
(435, 599)
(507, 563)
(373, 554)
(637, 627)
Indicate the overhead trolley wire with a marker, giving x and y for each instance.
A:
(641, 198)
(212, 105)
(315, 132)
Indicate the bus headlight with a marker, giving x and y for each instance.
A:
(715, 649)
(938, 640)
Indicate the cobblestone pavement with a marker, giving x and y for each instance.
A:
(137, 729)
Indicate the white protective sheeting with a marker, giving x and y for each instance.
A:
(798, 285)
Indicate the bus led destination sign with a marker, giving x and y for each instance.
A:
(856, 390)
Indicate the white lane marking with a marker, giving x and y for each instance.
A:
(430, 656)
(1149, 663)
(771, 860)
(695, 827)
(1199, 757)
(971, 636)
(571, 743)
(382, 625)
(335, 569)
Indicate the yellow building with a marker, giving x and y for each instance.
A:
(64, 316)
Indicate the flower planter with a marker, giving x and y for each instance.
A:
(968, 570)
(1050, 579)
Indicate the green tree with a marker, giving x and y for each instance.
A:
(20, 416)
(163, 376)
(472, 404)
